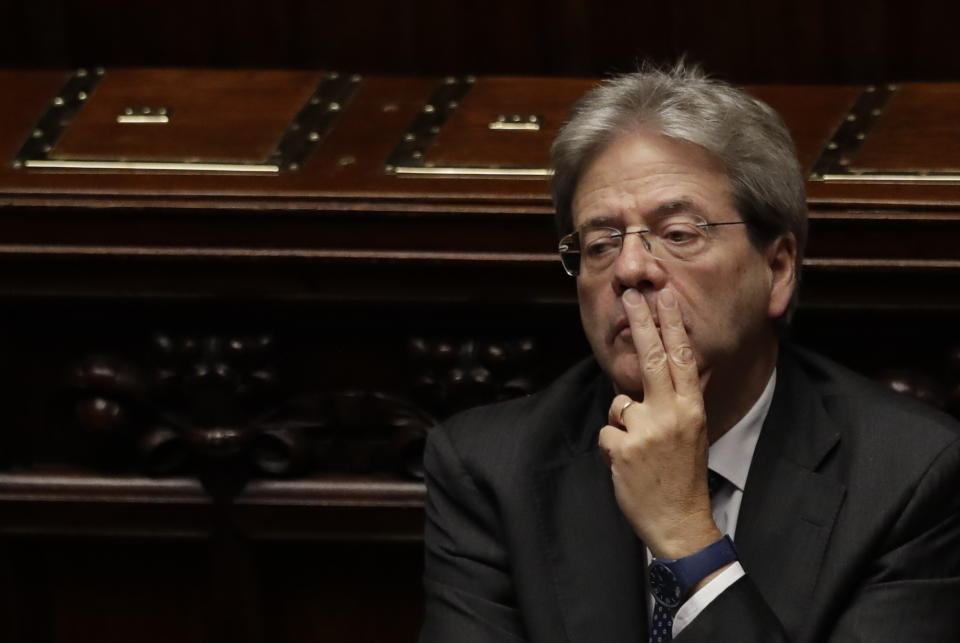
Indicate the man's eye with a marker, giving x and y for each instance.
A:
(680, 235)
(602, 245)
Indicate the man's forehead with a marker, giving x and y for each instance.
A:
(682, 205)
(648, 175)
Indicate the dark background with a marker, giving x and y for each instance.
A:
(749, 41)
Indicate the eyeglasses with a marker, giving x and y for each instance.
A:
(595, 248)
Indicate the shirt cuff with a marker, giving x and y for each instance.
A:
(692, 607)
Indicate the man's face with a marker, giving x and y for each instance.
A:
(727, 294)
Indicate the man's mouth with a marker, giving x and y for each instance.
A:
(622, 328)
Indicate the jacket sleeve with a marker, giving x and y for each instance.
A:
(468, 589)
(910, 589)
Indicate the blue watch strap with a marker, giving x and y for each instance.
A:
(691, 569)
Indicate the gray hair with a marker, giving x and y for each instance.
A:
(743, 133)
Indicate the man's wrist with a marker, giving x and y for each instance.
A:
(672, 581)
(687, 543)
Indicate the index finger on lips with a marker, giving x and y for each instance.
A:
(654, 370)
(681, 358)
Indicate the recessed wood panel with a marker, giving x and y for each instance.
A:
(214, 116)
(918, 131)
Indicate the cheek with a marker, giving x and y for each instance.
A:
(593, 313)
(588, 307)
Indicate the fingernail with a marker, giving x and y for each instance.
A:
(632, 297)
(667, 299)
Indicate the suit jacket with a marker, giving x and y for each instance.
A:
(849, 529)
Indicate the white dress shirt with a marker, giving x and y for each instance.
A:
(730, 456)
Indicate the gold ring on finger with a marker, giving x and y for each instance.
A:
(623, 410)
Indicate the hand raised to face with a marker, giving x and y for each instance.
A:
(657, 447)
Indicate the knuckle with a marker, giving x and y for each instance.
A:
(655, 359)
(619, 401)
(642, 321)
(633, 450)
(673, 323)
(691, 418)
(683, 355)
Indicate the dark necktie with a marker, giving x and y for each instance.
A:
(661, 626)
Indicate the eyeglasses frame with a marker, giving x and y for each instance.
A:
(624, 233)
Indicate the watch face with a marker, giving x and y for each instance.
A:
(664, 585)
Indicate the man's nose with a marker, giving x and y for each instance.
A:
(636, 267)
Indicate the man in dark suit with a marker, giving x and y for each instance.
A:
(696, 480)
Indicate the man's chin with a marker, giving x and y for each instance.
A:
(626, 376)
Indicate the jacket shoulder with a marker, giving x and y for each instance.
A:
(527, 429)
(880, 429)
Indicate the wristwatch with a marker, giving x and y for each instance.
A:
(672, 579)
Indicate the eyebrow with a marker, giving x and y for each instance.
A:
(665, 209)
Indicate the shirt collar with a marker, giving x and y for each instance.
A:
(730, 455)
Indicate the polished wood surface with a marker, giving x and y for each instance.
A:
(225, 116)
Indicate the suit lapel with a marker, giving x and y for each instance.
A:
(595, 559)
(789, 508)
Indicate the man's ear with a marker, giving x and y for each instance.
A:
(781, 256)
